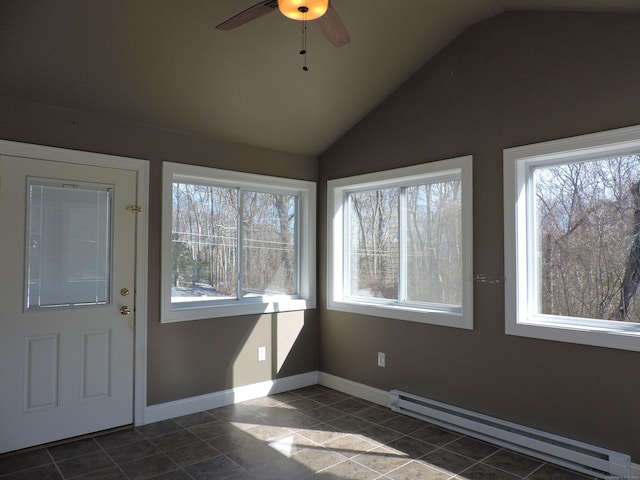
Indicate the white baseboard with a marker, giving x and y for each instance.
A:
(186, 406)
(360, 390)
(635, 471)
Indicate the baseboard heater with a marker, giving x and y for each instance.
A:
(588, 459)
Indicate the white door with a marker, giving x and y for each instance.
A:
(67, 259)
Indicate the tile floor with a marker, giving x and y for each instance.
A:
(313, 433)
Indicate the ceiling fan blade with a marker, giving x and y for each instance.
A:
(333, 28)
(248, 15)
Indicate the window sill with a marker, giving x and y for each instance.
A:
(624, 337)
(411, 314)
(267, 305)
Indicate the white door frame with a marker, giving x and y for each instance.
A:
(141, 167)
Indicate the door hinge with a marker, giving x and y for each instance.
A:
(134, 209)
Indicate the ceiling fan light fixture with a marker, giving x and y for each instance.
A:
(303, 9)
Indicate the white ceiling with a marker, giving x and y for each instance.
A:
(162, 62)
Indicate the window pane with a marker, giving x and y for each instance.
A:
(434, 236)
(587, 216)
(69, 242)
(204, 238)
(269, 244)
(373, 243)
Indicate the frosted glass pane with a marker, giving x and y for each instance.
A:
(69, 245)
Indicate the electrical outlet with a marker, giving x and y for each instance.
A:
(382, 359)
(262, 354)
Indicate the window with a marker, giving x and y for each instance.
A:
(68, 244)
(235, 243)
(572, 244)
(401, 243)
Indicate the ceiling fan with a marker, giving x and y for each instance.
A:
(319, 11)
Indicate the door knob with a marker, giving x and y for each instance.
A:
(125, 310)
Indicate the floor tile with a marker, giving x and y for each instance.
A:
(176, 439)
(471, 448)
(211, 429)
(311, 390)
(227, 412)
(133, 451)
(381, 434)
(193, 453)
(255, 457)
(447, 461)
(159, 428)
(382, 459)
(480, 471)
(267, 432)
(316, 460)
(404, 424)
(43, 472)
(351, 470)
(325, 413)
(74, 449)
(233, 440)
(173, 475)
(292, 444)
(214, 468)
(22, 461)
(376, 414)
(262, 402)
(330, 397)
(412, 447)
(352, 405)
(417, 471)
(350, 423)
(435, 435)
(513, 462)
(304, 404)
(551, 472)
(322, 433)
(194, 419)
(286, 397)
(118, 439)
(350, 445)
(245, 475)
(111, 473)
(148, 467)
(84, 464)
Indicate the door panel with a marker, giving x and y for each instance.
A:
(66, 363)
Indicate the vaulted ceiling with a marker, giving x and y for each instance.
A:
(162, 62)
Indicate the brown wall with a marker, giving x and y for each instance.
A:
(512, 80)
(515, 79)
(198, 357)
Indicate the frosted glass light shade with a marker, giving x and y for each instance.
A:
(316, 8)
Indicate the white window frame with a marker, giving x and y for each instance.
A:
(306, 238)
(520, 316)
(337, 190)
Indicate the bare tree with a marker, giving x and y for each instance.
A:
(586, 235)
(632, 267)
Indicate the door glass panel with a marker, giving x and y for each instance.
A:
(68, 244)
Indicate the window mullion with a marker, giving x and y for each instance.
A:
(240, 242)
(346, 250)
(402, 246)
(532, 268)
(296, 234)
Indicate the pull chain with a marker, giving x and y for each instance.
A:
(304, 11)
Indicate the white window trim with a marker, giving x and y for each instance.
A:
(306, 191)
(461, 167)
(519, 319)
